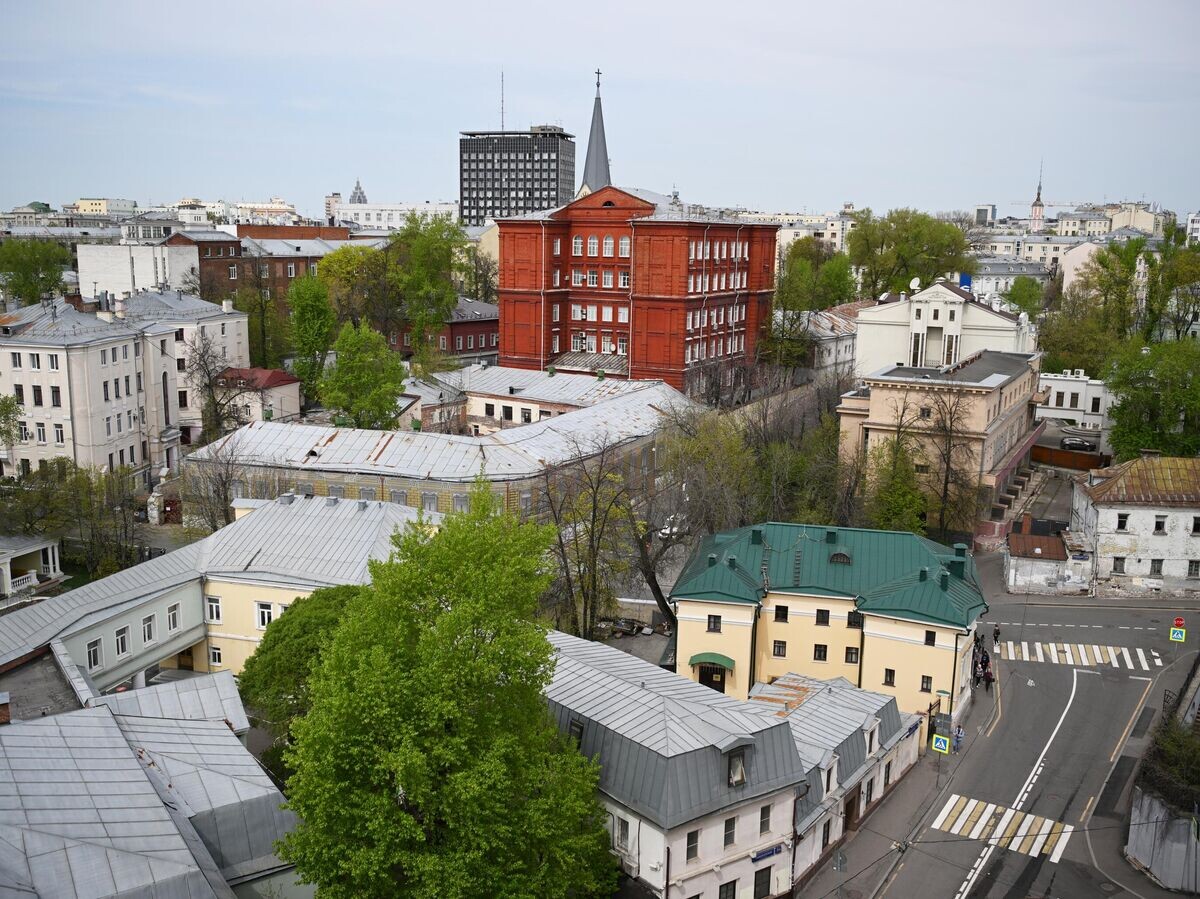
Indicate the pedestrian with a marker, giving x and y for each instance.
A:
(988, 677)
(978, 672)
(986, 659)
(959, 734)
(996, 638)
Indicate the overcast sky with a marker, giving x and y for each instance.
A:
(769, 106)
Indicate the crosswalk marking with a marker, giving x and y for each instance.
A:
(1084, 654)
(1005, 827)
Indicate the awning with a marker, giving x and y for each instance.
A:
(711, 658)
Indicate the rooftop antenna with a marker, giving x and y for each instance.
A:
(502, 99)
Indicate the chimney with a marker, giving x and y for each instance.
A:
(944, 580)
(5, 710)
(712, 559)
(960, 550)
(119, 308)
(362, 505)
(331, 501)
(226, 305)
(285, 499)
(756, 536)
(923, 575)
(733, 561)
(831, 536)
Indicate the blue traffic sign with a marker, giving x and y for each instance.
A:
(941, 744)
(1178, 635)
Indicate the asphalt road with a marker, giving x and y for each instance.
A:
(1073, 688)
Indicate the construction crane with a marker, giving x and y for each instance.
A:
(1048, 204)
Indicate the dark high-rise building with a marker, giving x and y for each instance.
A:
(507, 173)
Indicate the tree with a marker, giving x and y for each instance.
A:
(895, 500)
(952, 482)
(205, 366)
(482, 273)
(366, 378)
(1172, 287)
(590, 506)
(1026, 295)
(1157, 391)
(101, 517)
(350, 274)
(1074, 335)
(428, 765)
(1109, 280)
(41, 502)
(313, 323)
(212, 483)
(32, 269)
(428, 252)
(266, 327)
(977, 236)
(274, 680)
(10, 424)
(889, 252)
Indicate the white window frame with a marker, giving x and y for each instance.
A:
(212, 603)
(214, 656)
(593, 245)
(150, 627)
(577, 245)
(623, 245)
(172, 618)
(121, 636)
(97, 647)
(607, 245)
(263, 610)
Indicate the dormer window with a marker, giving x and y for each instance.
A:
(737, 768)
(575, 731)
(839, 559)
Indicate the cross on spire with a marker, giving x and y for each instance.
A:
(597, 82)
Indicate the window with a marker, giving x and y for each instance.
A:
(1156, 567)
(1122, 521)
(121, 638)
(106, 396)
(214, 655)
(820, 652)
(608, 245)
(825, 833)
(623, 311)
(593, 245)
(779, 649)
(95, 657)
(781, 613)
(1196, 524)
(183, 399)
(727, 890)
(103, 359)
(429, 502)
(592, 280)
(762, 883)
(554, 312)
(263, 614)
(16, 358)
(1193, 568)
(931, 638)
(506, 413)
(1118, 565)
(737, 769)
(851, 655)
(607, 282)
(458, 343)
(926, 412)
(59, 438)
(1096, 405)
(714, 624)
(53, 358)
(576, 245)
(623, 279)
(55, 397)
(951, 315)
(823, 617)
(35, 361)
(623, 248)
(855, 620)
(212, 609)
(889, 677)
(622, 833)
(887, 775)
(575, 730)
(764, 819)
(1160, 521)
(557, 246)
(148, 629)
(693, 845)
(172, 617)
(926, 683)
(41, 432)
(730, 831)
(489, 409)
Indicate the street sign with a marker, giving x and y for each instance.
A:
(1179, 622)
(1178, 635)
(941, 744)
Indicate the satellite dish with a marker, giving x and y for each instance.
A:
(914, 284)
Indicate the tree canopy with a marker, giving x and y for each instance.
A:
(905, 244)
(1026, 295)
(31, 269)
(313, 324)
(895, 501)
(428, 764)
(10, 416)
(1157, 399)
(366, 378)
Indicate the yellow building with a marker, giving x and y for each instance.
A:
(889, 611)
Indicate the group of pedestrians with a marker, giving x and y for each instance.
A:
(982, 660)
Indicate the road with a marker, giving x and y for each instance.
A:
(1024, 807)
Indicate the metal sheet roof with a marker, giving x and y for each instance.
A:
(213, 697)
(1147, 480)
(577, 390)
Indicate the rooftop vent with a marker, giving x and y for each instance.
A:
(831, 536)
(362, 505)
(756, 536)
(732, 561)
(923, 574)
(960, 550)
(285, 499)
(712, 559)
(944, 580)
(331, 501)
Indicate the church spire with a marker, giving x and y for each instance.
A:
(595, 167)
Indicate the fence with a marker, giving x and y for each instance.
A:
(1073, 459)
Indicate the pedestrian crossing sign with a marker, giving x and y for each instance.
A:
(1178, 635)
(941, 744)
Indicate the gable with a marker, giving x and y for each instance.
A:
(608, 197)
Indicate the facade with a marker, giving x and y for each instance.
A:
(262, 394)
(1140, 216)
(275, 211)
(389, 216)
(1045, 564)
(1140, 521)
(1193, 228)
(936, 326)
(1073, 396)
(358, 196)
(994, 275)
(1078, 256)
(636, 285)
(471, 335)
(888, 611)
(106, 206)
(832, 334)
(503, 173)
(1083, 223)
(435, 471)
(114, 270)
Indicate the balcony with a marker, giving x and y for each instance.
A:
(26, 581)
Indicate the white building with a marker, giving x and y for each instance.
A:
(1140, 520)
(105, 206)
(934, 327)
(995, 275)
(26, 562)
(389, 215)
(715, 796)
(1073, 396)
(1077, 256)
(262, 394)
(119, 269)
(1083, 223)
(275, 211)
(1193, 228)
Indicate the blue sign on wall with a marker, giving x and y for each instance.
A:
(767, 853)
(964, 280)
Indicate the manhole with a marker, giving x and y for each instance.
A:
(1108, 887)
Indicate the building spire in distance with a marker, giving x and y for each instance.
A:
(595, 167)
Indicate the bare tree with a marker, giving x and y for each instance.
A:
(964, 221)
(205, 368)
(225, 473)
(953, 478)
(101, 518)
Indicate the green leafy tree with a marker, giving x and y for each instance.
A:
(895, 500)
(31, 269)
(366, 378)
(428, 251)
(889, 252)
(1109, 279)
(274, 681)
(1172, 305)
(1157, 391)
(354, 277)
(313, 324)
(1026, 295)
(41, 503)
(10, 415)
(428, 764)
(1075, 335)
(481, 275)
(266, 328)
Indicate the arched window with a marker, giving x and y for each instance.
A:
(623, 248)
(593, 245)
(608, 245)
(576, 245)
(839, 559)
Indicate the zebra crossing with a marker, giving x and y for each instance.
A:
(1083, 654)
(1005, 827)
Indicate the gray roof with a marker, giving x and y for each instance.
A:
(213, 697)
(172, 305)
(60, 324)
(581, 361)
(661, 738)
(204, 236)
(1009, 265)
(19, 544)
(595, 166)
(576, 390)
(466, 309)
(509, 454)
(62, 232)
(987, 368)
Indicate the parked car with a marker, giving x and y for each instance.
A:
(1077, 443)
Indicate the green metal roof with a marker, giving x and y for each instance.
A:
(713, 658)
(882, 574)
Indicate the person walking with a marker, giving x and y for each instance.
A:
(978, 672)
(959, 734)
(988, 677)
(996, 638)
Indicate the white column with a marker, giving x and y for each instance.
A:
(139, 680)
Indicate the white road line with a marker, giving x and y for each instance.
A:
(966, 813)
(1000, 828)
(1036, 849)
(1157, 660)
(1135, 677)
(1083, 655)
(1022, 831)
(1142, 658)
(1010, 655)
(1052, 650)
(1128, 659)
(983, 821)
(1037, 649)
(1067, 652)
(1112, 655)
(1025, 650)
(1062, 844)
(940, 819)
(1098, 654)
(1125, 627)
(1068, 625)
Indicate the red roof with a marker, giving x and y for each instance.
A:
(258, 378)
(1031, 546)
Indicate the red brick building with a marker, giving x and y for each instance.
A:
(471, 334)
(637, 285)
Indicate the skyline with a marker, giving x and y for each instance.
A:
(775, 110)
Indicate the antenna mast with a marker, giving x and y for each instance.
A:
(502, 99)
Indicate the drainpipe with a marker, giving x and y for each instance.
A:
(542, 292)
(667, 878)
(753, 645)
(629, 339)
(954, 673)
(862, 647)
(704, 299)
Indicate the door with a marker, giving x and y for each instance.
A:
(713, 676)
(851, 808)
(184, 660)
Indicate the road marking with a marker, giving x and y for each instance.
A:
(1083, 655)
(1112, 655)
(1089, 654)
(1006, 828)
(984, 820)
(950, 804)
(1086, 809)
(966, 813)
(1142, 658)
(1067, 652)
(1010, 648)
(1062, 844)
(1128, 660)
(1038, 652)
(1136, 710)
(1098, 654)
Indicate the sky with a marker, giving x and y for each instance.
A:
(768, 106)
